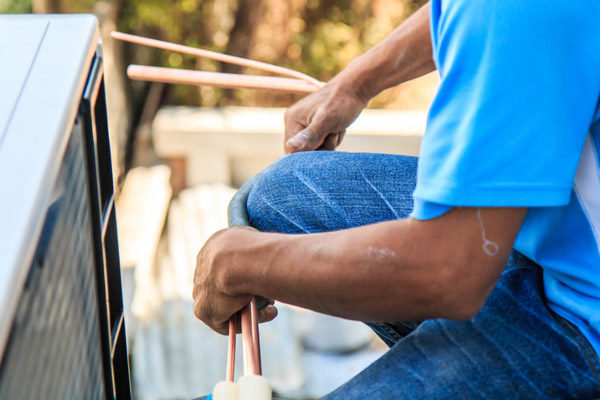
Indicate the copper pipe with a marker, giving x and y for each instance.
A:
(251, 364)
(218, 79)
(255, 335)
(229, 375)
(216, 56)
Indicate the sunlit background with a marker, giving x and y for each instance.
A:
(179, 152)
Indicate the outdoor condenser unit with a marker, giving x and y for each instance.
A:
(62, 334)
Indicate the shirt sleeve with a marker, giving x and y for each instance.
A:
(519, 89)
(423, 210)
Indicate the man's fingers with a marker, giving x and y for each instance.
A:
(340, 137)
(222, 329)
(311, 137)
(199, 312)
(330, 143)
(268, 314)
(301, 141)
(291, 129)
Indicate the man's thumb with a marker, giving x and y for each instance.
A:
(302, 140)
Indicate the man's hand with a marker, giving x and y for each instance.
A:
(215, 296)
(400, 270)
(319, 121)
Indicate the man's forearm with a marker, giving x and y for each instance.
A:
(354, 273)
(392, 271)
(404, 54)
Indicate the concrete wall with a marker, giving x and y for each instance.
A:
(230, 145)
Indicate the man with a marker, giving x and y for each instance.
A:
(497, 250)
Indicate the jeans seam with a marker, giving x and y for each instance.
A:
(587, 350)
(390, 330)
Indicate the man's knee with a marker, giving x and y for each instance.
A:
(275, 192)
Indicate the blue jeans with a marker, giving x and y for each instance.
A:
(515, 348)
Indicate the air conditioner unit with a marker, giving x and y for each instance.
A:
(62, 333)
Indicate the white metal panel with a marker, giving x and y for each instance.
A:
(33, 143)
(17, 58)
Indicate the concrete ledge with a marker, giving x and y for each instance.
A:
(231, 144)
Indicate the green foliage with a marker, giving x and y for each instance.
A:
(15, 6)
(318, 37)
(338, 31)
(330, 47)
(312, 36)
(197, 23)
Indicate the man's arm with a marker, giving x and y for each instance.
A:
(392, 271)
(319, 121)
(399, 270)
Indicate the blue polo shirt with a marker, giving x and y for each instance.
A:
(516, 122)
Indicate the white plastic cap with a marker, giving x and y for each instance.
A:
(225, 390)
(254, 387)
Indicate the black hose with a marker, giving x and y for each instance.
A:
(237, 215)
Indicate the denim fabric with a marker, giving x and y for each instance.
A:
(324, 191)
(515, 348)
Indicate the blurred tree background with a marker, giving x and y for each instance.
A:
(312, 36)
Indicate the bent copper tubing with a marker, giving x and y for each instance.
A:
(218, 79)
(215, 56)
(238, 215)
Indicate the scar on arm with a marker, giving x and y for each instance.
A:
(490, 247)
(380, 254)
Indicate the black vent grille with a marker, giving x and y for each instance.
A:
(54, 349)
